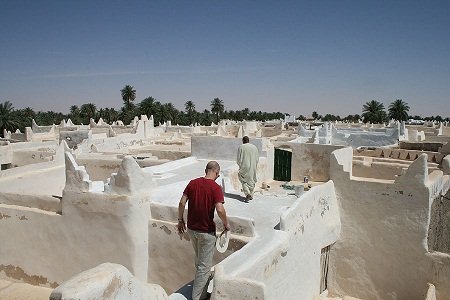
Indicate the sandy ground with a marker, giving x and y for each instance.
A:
(22, 291)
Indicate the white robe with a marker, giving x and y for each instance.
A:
(247, 160)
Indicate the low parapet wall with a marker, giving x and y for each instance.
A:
(7, 151)
(402, 154)
(74, 138)
(93, 227)
(41, 202)
(32, 156)
(219, 148)
(382, 168)
(383, 250)
(421, 146)
(183, 129)
(30, 169)
(169, 252)
(6, 154)
(312, 160)
(285, 263)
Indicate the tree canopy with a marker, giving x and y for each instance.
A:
(128, 94)
(398, 110)
(373, 112)
(11, 119)
(217, 108)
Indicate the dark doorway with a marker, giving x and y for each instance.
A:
(282, 165)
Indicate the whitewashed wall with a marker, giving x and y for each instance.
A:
(383, 252)
(219, 148)
(312, 160)
(47, 248)
(285, 263)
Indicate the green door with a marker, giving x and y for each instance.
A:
(282, 165)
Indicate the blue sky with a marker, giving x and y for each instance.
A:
(287, 56)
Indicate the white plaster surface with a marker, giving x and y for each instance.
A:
(93, 227)
(276, 239)
(312, 160)
(219, 147)
(262, 268)
(431, 293)
(107, 282)
(39, 179)
(382, 252)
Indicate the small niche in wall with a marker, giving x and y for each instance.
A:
(324, 262)
(5, 166)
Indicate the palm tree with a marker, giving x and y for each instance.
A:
(26, 115)
(398, 110)
(148, 106)
(88, 111)
(8, 119)
(157, 113)
(128, 95)
(217, 108)
(74, 114)
(169, 112)
(245, 113)
(373, 112)
(163, 113)
(49, 117)
(101, 113)
(189, 107)
(28, 112)
(74, 110)
(111, 115)
(205, 118)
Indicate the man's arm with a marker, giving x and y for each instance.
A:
(181, 206)
(239, 157)
(222, 215)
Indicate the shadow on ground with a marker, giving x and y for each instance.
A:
(235, 196)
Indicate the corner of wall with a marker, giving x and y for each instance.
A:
(130, 178)
(77, 179)
(341, 162)
(237, 288)
(416, 173)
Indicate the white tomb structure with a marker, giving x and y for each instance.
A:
(98, 221)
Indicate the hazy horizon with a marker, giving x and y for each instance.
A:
(291, 56)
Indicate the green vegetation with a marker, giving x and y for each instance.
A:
(217, 108)
(11, 119)
(373, 112)
(398, 110)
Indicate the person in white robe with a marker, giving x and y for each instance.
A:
(247, 160)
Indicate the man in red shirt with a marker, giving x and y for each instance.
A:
(204, 196)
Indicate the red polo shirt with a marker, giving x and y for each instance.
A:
(202, 194)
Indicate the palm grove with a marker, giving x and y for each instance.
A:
(12, 119)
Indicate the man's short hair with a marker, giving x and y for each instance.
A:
(212, 165)
(245, 139)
